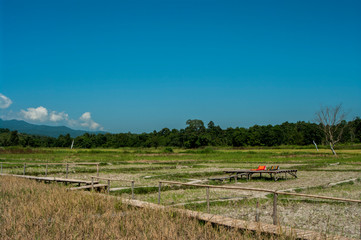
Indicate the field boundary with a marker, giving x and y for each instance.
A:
(237, 223)
(275, 195)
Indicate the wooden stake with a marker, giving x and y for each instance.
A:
(1, 168)
(67, 170)
(207, 191)
(160, 185)
(315, 145)
(46, 170)
(275, 208)
(24, 168)
(92, 183)
(108, 186)
(132, 189)
(97, 170)
(257, 212)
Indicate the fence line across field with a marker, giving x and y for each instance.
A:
(113, 179)
(47, 164)
(275, 194)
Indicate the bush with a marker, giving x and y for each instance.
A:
(168, 150)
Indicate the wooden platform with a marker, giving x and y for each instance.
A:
(241, 224)
(275, 174)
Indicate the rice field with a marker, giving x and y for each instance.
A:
(319, 173)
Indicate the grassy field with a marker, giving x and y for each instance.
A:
(31, 210)
(316, 170)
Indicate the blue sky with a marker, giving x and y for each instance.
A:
(140, 66)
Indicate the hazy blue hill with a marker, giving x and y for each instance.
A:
(44, 130)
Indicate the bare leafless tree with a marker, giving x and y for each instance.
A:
(331, 120)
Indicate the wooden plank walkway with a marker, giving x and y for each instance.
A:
(53, 179)
(240, 224)
(96, 187)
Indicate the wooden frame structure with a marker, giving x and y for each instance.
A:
(275, 194)
(275, 174)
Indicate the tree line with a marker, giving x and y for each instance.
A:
(195, 135)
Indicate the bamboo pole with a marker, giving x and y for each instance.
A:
(36, 163)
(24, 169)
(257, 212)
(221, 187)
(132, 189)
(92, 183)
(274, 208)
(97, 170)
(264, 190)
(112, 179)
(207, 191)
(46, 170)
(160, 186)
(320, 197)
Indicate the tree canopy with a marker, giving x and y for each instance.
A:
(195, 135)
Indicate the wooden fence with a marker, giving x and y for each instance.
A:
(112, 179)
(46, 166)
(275, 195)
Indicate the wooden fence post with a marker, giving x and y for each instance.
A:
(207, 191)
(92, 183)
(257, 212)
(160, 186)
(108, 186)
(46, 170)
(67, 170)
(275, 208)
(24, 169)
(1, 168)
(132, 189)
(97, 170)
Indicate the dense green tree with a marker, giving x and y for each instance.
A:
(13, 138)
(195, 135)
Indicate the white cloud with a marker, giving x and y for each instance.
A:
(86, 116)
(35, 114)
(56, 117)
(42, 114)
(86, 121)
(5, 102)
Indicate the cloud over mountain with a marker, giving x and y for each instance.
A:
(5, 102)
(35, 114)
(41, 114)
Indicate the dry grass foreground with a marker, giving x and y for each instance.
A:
(31, 210)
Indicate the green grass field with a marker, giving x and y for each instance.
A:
(316, 170)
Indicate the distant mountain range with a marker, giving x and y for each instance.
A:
(43, 130)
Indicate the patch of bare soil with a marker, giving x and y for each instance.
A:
(302, 155)
(162, 161)
(322, 217)
(161, 154)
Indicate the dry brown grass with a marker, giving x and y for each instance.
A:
(31, 210)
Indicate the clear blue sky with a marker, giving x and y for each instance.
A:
(140, 66)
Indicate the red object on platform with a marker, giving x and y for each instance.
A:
(259, 168)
